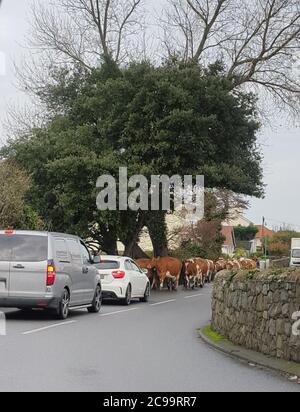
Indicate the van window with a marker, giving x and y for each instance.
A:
(62, 253)
(296, 253)
(74, 249)
(86, 258)
(23, 248)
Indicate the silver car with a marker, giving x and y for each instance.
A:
(50, 271)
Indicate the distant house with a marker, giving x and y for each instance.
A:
(229, 244)
(238, 220)
(263, 232)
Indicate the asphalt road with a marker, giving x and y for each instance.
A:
(146, 347)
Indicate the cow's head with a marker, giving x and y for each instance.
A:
(153, 263)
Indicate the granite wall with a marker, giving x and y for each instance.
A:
(260, 310)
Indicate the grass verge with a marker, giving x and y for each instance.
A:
(209, 333)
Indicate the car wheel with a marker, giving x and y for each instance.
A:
(97, 301)
(127, 299)
(63, 308)
(146, 296)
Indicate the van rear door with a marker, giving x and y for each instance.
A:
(28, 266)
(5, 256)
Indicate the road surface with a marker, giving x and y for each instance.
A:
(146, 347)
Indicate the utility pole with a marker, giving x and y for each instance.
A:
(263, 236)
(264, 239)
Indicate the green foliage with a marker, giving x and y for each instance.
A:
(245, 233)
(240, 252)
(192, 249)
(15, 186)
(171, 119)
(280, 243)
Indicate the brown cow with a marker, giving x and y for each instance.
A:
(190, 274)
(248, 264)
(152, 273)
(197, 271)
(168, 268)
(204, 268)
(211, 271)
(220, 265)
(233, 264)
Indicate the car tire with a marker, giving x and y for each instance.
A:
(63, 307)
(127, 299)
(146, 296)
(97, 301)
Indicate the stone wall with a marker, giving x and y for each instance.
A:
(256, 310)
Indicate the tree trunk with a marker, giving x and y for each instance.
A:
(138, 252)
(107, 239)
(157, 227)
(131, 238)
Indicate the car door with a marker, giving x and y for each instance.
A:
(140, 278)
(88, 273)
(133, 277)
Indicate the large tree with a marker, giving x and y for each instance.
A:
(15, 213)
(257, 40)
(173, 119)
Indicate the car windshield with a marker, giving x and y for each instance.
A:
(108, 264)
(296, 253)
(23, 248)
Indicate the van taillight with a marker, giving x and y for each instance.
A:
(119, 274)
(51, 272)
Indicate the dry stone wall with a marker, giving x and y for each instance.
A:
(260, 311)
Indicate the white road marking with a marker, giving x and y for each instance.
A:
(30, 332)
(194, 296)
(163, 303)
(117, 312)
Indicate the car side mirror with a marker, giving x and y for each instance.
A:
(145, 271)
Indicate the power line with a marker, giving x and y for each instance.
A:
(282, 222)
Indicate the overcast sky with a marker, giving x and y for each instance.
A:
(281, 143)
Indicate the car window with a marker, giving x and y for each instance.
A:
(23, 248)
(85, 255)
(108, 264)
(74, 249)
(62, 252)
(135, 267)
(128, 265)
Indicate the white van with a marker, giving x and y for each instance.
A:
(52, 271)
(295, 252)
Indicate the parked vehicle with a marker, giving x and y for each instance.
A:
(51, 271)
(295, 252)
(123, 280)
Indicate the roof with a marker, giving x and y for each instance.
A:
(228, 233)
(238, 220)
(263, 232)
